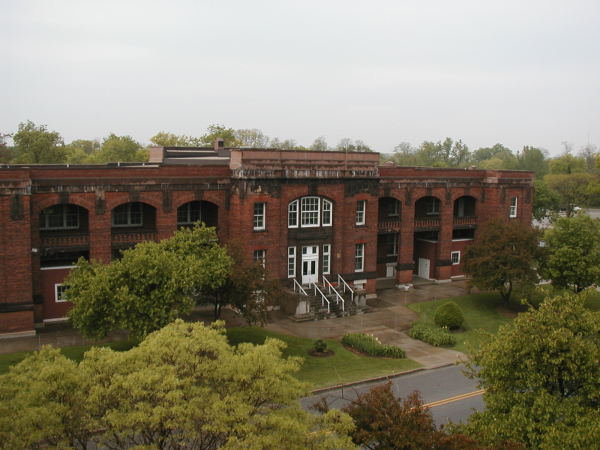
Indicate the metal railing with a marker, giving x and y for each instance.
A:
(342, 282)
(300, 288)
(338, 297)
(62, 241)
(427, 222)
(390, 225)
(323, 297)
(472, 220)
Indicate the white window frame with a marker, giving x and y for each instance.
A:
(130, 222)
(45, 220)
(392, 237)
(359, 258)
(361, 207)
(59, 293)
(188, 211)
(326, 259)
(327, 213)
(513, 206)
(260, 257)
(293, 214)
(260, 209)
(433, 207)
(310, 212)
(291, 262)
(394, 208)
(455, 257)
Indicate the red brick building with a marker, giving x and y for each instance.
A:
(306, 214)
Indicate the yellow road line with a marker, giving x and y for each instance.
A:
(454, 399)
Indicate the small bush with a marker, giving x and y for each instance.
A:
(449, 315)
(371, 346)
(320, 346)
(432, 334)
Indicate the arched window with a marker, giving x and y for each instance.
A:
(310, 212)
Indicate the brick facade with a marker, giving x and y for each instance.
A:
(410, 214)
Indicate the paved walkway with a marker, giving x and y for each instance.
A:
(389, 323)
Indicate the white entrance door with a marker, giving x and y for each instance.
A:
(424, 268)
(310, 264)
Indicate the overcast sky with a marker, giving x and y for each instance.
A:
(511, 72)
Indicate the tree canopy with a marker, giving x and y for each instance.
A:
(149, 287)
(541, 379)
(183, 387)
(502, 256)
(37, 145)
(573, 253)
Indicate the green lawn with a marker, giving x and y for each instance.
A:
(480, 314)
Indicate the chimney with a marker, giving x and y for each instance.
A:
(219, 144)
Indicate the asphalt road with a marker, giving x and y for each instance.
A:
(448, 393)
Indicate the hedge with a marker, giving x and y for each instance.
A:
(371, 346)
(432, 334)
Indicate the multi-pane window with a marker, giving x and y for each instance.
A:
(59, 216)
(326, 258)
(259, 216)
(360, 212)
(127, 215)
(189, 213)
(310, 212)
(291, 262)
(393, 208)
(455, 256)
(433, 206)
(59, 293)
(259, 257)
(392, 244)
(513, 207)
(359, 258)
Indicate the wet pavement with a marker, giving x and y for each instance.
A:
(390, 323)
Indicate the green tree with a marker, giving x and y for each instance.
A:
(541, 379)
(502, 256)
(572, 188)
(246, 289)
(566, 164)
(36, 145)
(546, 201)
(443, 154)
(6, 152)
(405, 155)
(574, 253)
(164, 139)
(534, 159)
(497, 151)
(183, 387)
(119, 149)
(252, 138)
(219, 131)
(149, 287)
(319, 144)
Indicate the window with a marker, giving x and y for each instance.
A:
(291, 262)
(360, 212)
(455, 256)
(326, 258)
(259, 257)
(327, 212)
(189, 213)
(59, 216)
(359, 258)
(394, 208)
(433, 206)
(513, 207)
(59, 293)
(392, 244)
(259, 216)
(313, 212)
(127, 215)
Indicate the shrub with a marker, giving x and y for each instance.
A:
(432, 334)
(449, 315)
(370, 345)
(320, 346)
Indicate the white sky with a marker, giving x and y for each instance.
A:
(512, 72)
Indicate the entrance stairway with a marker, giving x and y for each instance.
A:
(325, 301)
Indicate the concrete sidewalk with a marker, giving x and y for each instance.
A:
(389, 323)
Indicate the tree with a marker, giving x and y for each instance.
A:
(384, 422)
(484, 153)
(163, 139)
(36, 145)
(546, 201)
(574, 253)
(252, 138)
(572, 188)
(246, 289)
(566, 165)
(219, 131)
(183, 387)
(405, 155)
(534, 159)
(348, 145)
(541, 378)
(443, 154)
(319, 144)
(502, 256)
(6, 152)
(149, 287)
(118, 149)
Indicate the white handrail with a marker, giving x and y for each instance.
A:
(346, 285)
(300, 288)
(337, 294)
(323, 297)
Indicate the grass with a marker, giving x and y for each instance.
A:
(343, 367)
(480, 314)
